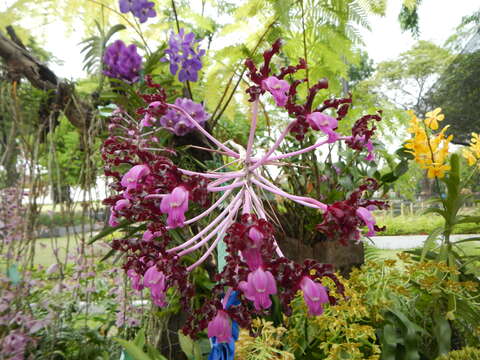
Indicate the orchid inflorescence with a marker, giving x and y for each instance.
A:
(256, 269)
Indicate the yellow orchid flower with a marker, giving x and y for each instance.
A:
(472, 152)
(433, 117)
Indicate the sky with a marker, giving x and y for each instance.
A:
(438, 20)
(385, 41)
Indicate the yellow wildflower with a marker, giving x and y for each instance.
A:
(433, 117)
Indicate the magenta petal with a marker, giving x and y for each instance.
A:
(122, 204)
(131, 179)
(318, 120)
(154, 278)
(148, 236)
(255, 235)
(314, 294)
(175, 205)
(260, 285)
(220, 327)
(278, 88)
(113, 220)
(368, 219)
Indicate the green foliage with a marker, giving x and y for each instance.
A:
(463, 354)
(64, 157)
(408, 17)
(387, 313)
(75, 344)
(94, 48)
(135, 348)
(456, 92)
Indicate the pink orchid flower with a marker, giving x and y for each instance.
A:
(147, 121)
(259, 286)
(131, 179)
(324, 123)
(122, 204)
(251, 254)
(220, 327)
(315, 295)
(156, 281)
(136, 279)
(175, 205)
(368, 219)
(278, 88)
(113, 219)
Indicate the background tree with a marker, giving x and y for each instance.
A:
(406, 80)
(457, 92)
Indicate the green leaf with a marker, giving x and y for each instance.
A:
(443, 333)
(436, 210)
(140, 338)
(114, 29)
(467, 240)
(389, 177)
(133, 350)
(109, 230)
(401, 168)
(191, 348)
(404, 153)
(430, 242)
(467, 219)
(13, 274)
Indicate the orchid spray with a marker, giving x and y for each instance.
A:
(155, 194)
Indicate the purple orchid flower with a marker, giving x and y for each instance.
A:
(122, 62)
(143, 10)
(183, 53)
(126, 5)
(178, 123)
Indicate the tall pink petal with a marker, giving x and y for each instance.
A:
(259, 286)
(315, 295)
(368, 219)
(133, 176)
(220, 327)
(251, 254)
(175, 205)
(278, 88)
(122, 204)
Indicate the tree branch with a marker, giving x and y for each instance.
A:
(20, 63)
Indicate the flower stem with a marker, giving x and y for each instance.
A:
(272, 149)
(219, 237)
(253, 127)
(209, 226)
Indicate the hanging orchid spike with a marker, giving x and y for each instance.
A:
(159, 196)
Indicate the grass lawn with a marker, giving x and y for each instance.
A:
(418, 224)
(44, 254)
